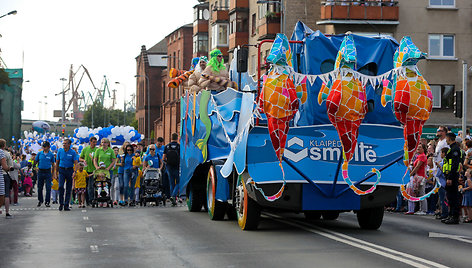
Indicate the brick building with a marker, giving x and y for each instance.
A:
(149, 66)
(179, 56)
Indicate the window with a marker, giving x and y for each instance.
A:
(441, 45)
(219, 35)
(200, 43)
(239, 23)
(443, 96)
(253, 24)
(442, 3)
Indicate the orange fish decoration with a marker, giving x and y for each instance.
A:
(412, 101)
(346, 105)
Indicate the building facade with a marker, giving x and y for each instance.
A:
(179, 49)
(11, 105)
(149, 66)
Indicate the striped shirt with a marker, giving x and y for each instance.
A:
(2, 182)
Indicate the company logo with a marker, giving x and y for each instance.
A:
(327, 150)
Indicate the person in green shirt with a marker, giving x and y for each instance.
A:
(86, 156)
(106, 155)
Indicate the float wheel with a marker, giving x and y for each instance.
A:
(216, 209)
(248, 211)
(195, 199)
(312, 215)
(330, 215)
(370, 218)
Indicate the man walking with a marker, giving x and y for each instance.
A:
(45, 160)
(66, 159)
(172, 158)
(86, 156)
(451, 168)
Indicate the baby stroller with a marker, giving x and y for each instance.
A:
(102, 186)
(151, 189)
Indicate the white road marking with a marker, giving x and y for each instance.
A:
(84, 210)
(461, 238)
(89, 229)
(358, 243)
(94, 248)
(85, 218)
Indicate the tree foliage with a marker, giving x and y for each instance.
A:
(98, 116)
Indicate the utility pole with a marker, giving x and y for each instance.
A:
(63, 106)
(464, 99)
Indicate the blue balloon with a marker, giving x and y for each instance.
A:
(53, 147)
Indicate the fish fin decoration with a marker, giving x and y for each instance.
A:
(301, 90)
(202, 146)
(194, 116)
(176, 82)
(412, 131)
(324, 92)
(274, 197)
(386, 92)
(353, 187)
(407, 196)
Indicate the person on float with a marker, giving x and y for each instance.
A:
(215, 68)
(197, 74)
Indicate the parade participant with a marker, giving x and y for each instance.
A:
(55, 190)
(467, 195)
(114, 191)
(45, 160)
(86, 156)
(451, 170)
(106, 155)
(6, 176)
(66, 159)
(172, 158)
(196, 75)
(215, 68)
(28, 181)
(136, 173)
(80, 177)
(127, 162)
(120, 164)
(152, 160)
(14, 174)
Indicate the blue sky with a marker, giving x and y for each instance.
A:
(103, 35)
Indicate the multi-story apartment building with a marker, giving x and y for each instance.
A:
(149, 65)
(201, 16)
(442, 28)
(179, 56)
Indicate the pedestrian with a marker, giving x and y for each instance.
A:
(441, 134)
(467, 195)
(14, 175)
(136, 171)
(172, 158)
(431, 171)
(4, 167)
(152, 159)
(115, 190)
(444, 211)
(28, 181)
(6, 176)
(35, 173)
(128, 173)
(80, 184)
(55, 190)
(66, 160)
(451, 169)
(106, 155)
(45, 161)
(419, 172)
(86, 157)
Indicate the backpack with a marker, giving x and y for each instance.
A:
(173, 155)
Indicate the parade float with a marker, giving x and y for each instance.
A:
(329, 128)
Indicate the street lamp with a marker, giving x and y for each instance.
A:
(282, 10)
(9, 13)
(149, 107)
(124, 101)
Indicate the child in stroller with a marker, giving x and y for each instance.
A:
(151, 189)
(102, 186)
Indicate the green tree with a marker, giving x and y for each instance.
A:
(98, 116)
(4, 79)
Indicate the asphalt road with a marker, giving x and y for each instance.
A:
(174, 237)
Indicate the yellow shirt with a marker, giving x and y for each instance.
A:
(136, 161)
(80, 179)
(55, 185)
(138, 180)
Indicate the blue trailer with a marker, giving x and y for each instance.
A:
(241, 165)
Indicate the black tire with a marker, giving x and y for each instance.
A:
(231, 213)
(312, 215)
(370, 218)
(247, 210)
(216, 209)
(164, 202)
(195, 199)
(330, 215)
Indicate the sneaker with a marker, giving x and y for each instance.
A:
(67, 209)
(47, 204)
(39, 204)
(445, 219)
(451, 221)
(439, 217)
(61, 207)
(8, 216)
(15, 204)
(409, 213)
(421, 213)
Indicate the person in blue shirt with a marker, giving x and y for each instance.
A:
(45, 161)
(152, 159)
(66, 159)
(128, 173)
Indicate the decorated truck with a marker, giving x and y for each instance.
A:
(330, 127)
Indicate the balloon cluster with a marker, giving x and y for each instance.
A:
(117, 135)
(32, 141)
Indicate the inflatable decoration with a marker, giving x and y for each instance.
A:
(346, 105)
(412, 102)
(203, 113)
(176, 82)
(278, 100)
(174, 72)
